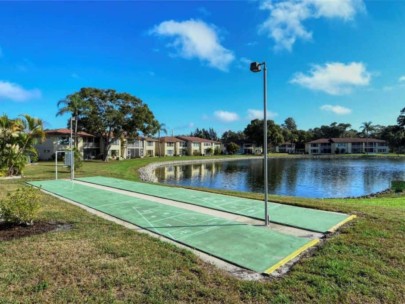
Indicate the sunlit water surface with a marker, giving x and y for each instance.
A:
(316, 178)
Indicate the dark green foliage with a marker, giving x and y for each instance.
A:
(207, 134)
(401, 119)
(230, 136)
(232, 148)
(111, 115)
(398, 186)
(254, 132)
(21, 206)
(334, 130)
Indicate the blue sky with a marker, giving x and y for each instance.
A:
(335, 60)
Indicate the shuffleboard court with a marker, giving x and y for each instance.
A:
(304, 218)
(252, 247)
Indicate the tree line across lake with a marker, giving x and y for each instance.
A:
(289, 132)
(109, 115)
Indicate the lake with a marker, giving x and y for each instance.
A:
(315, 178)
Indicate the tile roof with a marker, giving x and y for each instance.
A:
(170, 139)
(196, 139)
(67, 132)
(345, 140)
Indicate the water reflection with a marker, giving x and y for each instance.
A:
(296, 177)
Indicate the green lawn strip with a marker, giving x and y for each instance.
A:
(251, 247)
(311, 219)
(100, 262)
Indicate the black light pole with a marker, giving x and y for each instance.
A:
(255, 67)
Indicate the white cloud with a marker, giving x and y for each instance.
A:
(285, 22)
(334, 78)
(225, 116)
(243, 63)
(14, 92)
(339, 110)
(196, 39)
(258, 114)
(401, 79)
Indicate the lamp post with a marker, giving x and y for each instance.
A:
(256, 67)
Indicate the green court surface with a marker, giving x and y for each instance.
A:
(305, 218)
(252, 247)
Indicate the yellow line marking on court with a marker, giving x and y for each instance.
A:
(291, 256)
(334, 228)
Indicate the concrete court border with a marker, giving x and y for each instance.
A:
(239, 272)
(330, 230)
(214, 212)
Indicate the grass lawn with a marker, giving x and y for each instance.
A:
(100, 262)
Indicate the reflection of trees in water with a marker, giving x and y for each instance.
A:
(282, 174)
(300, 177)
(233, 167)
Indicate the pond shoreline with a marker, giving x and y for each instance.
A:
(147, 173)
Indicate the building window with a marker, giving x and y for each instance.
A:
(196, 145)
(150, 144)
(63, 140)
(170, 144)
(183, 144)
(314, 145)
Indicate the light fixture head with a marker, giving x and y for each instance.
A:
(255, 67)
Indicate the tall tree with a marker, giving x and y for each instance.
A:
(394, 135)
(75, 105)
(366, 128)
(401, 119)
(289, 124)
(160, 127)
(203, 133)
(236, 137)
(334, 130)
(110, 115)
(254, 132)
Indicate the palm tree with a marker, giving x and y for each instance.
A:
(73, 104)
(367, 127)
(401, 118)
(18, 140)
(161, 127)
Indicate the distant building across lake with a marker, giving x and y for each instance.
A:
(346, 145)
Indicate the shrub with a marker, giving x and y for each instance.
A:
(232, 148)
(21, 206)
(398, 186)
